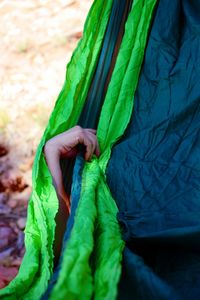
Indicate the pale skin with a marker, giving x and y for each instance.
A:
(66, 145)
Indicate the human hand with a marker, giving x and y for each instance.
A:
(67, 144)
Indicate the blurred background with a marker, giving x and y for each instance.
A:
(37, 40)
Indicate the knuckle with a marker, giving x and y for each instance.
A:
(79, 129)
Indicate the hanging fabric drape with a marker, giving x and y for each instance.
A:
(96, 205)
(90, 115)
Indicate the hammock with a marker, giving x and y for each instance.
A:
(90, 115)
(77, 279)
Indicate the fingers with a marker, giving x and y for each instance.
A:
(89, 140)
(67, 143)
(97, 149)
(90, 145)
(91, 130)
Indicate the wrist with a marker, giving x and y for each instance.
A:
(50, 150)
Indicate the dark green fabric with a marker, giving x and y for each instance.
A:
(90, 113)
(92, 108)
(95, 229)
(154, 170)
(96, 213)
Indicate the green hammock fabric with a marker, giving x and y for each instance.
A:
(95, 221)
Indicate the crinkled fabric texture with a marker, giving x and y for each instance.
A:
(154, 170)
(99, 224)
(90, 113)
(78, 280)
(75, 196)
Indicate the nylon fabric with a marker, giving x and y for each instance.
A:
(155, 166)
(89, 116)
(76, 280)
(110, 244)
(39, 232)
(75, 195)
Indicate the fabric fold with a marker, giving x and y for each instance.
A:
(76, 278)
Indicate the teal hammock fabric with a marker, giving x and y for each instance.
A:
(77, 280)
(154, 169)
(156, 164)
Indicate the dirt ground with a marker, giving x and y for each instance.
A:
(37, 39)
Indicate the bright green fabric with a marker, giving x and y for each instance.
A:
(95, 222)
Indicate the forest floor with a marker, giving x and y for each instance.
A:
(37, 39)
